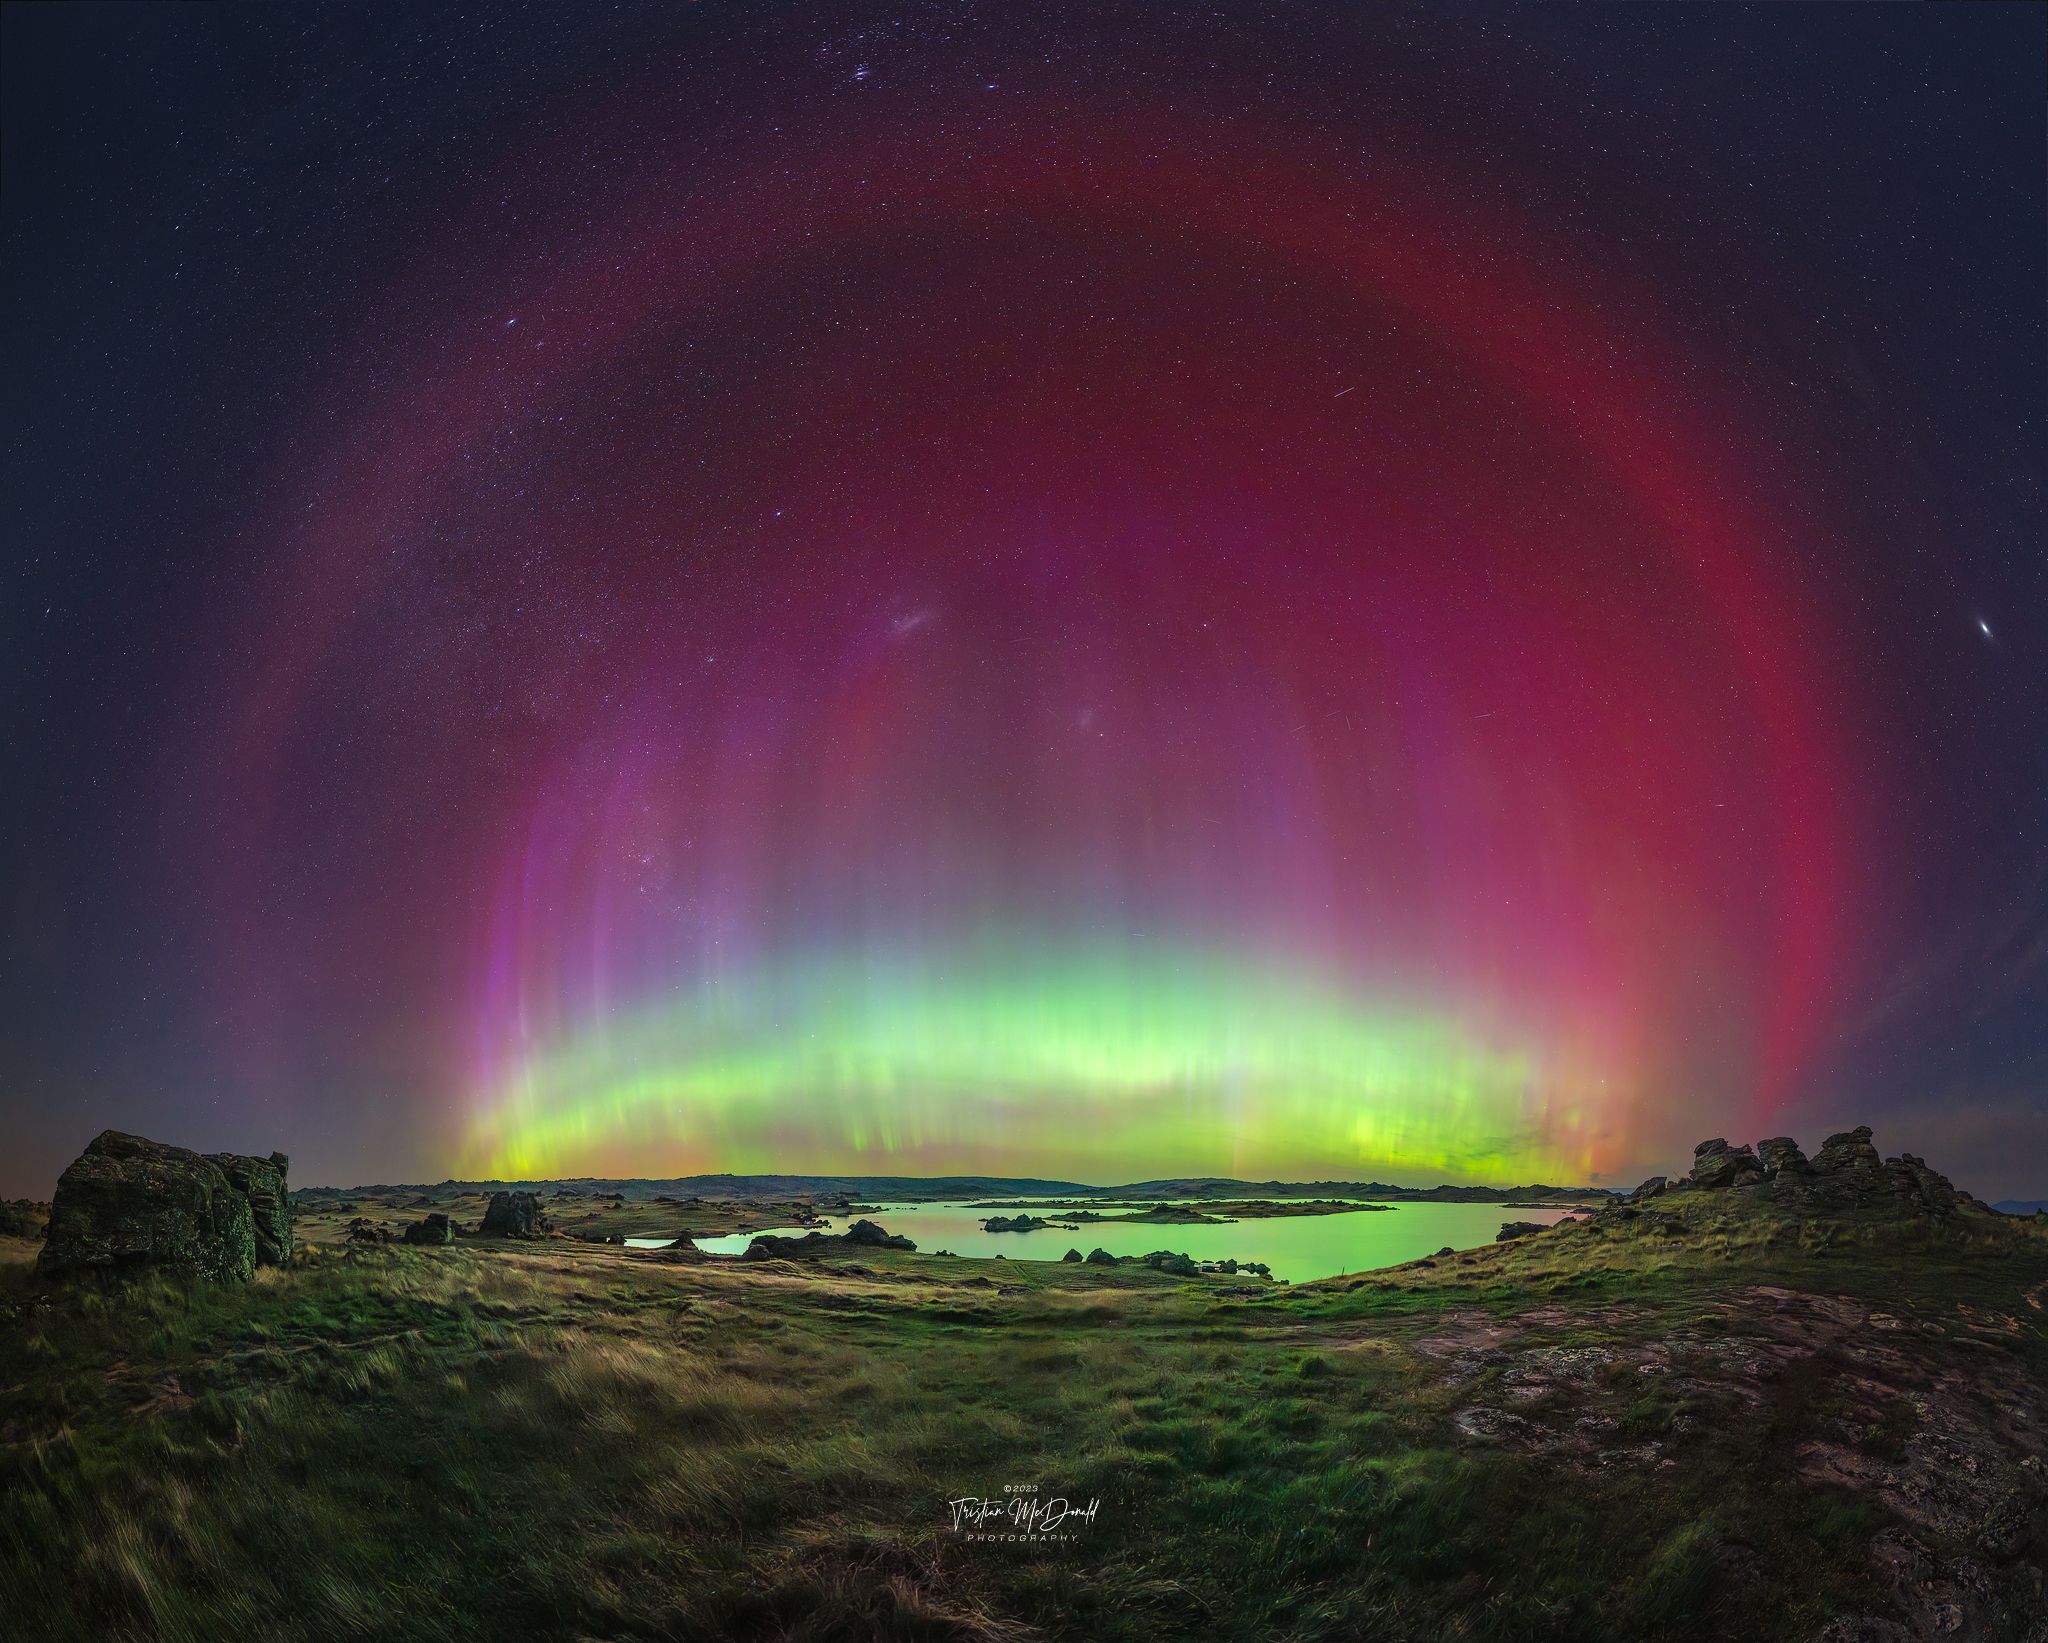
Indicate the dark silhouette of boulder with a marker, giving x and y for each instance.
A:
(1511, 1230)
(432, 1229)
(1849, 1150)
(1101, 1257)
(861, 1235)
(515, 1215)
(1071, 1255)
(363, 1230)
(1165, 1260)
(874, 1237)
(1649, 1189)
(126, 1202)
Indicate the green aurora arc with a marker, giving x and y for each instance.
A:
(1102, 1062)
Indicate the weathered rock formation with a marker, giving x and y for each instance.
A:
(1849, 1150)
(1101, 1257)
(261, 1181)
(1511, 1230)
(861, 1235)
(1846, 1176)
(1071, 1255)
(432, 1229)
(515, 1215)
(1716, 1164)
(127, 1203)
(23, 1218)
(1781, 1156)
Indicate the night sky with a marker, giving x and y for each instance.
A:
(1272, 591)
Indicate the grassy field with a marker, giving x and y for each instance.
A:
(1741, 1427)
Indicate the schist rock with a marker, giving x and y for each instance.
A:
(515, 1215)
(1716, 1164)
(861, 1235)
(1781, 1156)
(432, 1229)
(1849, 1150)
(127, 1202)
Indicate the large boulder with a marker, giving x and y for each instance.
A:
(1781, 1156)
(1715, 1164)
(128, 1203)
(1649, 1189)
(431, 1230)
(1100, 1257)
(1511, 1230)
(1849, 1150)
(515, 1215)
(262, 1182)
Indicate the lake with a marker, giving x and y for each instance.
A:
(1296, 1247)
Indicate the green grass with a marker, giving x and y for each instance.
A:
(560, 1440)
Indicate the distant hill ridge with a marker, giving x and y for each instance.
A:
(976, 1186)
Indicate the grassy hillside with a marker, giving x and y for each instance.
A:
(1720, 1421)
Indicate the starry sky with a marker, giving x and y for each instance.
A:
(1299, 591)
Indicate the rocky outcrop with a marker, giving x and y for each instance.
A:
(1846, 1177)
(1716, 1164)
(363, 1230)
(1071, 1255)
(515, 1215)
(431, 1230)
(1919, 1186)
(1649, 1189)
(874, 1237)
(262, 1182)
(1014, 1223)
(1781, 1156)
(23, 1218)
(1511, 1230)
(1849, 1150)
(861, 1235)
(1101, 1257)
(127, 1203)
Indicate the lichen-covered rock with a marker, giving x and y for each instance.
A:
(432, 1229)
(127, 1203)
(515, 1215)
(1715, 1164)
(1920, 1186)
(262, 1182)
(1781, 1156)
(1849, 1150)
